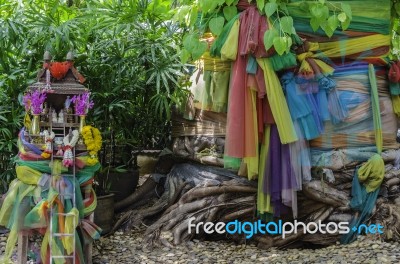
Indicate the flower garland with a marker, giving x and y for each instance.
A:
(68, 159)
(92, 138)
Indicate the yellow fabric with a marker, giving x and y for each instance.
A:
(11, 241)
(17, 189)
(278, 103)
(27, 122)
(215, 64)
(306, 67)
(263, 200)
(252, 162)
(19, 192)
(376, 112)
(71, 222)
(396, 104)
(325, 68)
(28, 175)
(55, 249)
(371, 173)
(353, 45)
(230, 47)
(56, 168)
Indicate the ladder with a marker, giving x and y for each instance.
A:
(56, 236)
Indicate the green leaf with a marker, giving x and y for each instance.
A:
(199, 50)
(282, 6)
(260, 5)
(328, 30)
(193, 16)
(270, 8)
(229, 2)
(333, 22)
(185, 55)
(319, 11)
(322, 1)
(208, 6)
(190, 42)
(342, 17)
(280, 45)
(216, 25)
(345, 25)
(397, 8)
(315, 23)
(287, 24)
(288, 44)
(230, 12)
(347, 9)
(269, 37)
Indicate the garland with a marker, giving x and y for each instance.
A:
(92, 138)
(68, 159)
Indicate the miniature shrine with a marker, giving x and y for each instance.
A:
(57, 159)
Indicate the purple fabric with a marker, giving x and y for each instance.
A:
(279, 175)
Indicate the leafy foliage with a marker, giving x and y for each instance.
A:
(323, 14)
(127, 50)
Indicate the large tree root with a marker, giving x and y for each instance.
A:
(196, 193)
(145, 191)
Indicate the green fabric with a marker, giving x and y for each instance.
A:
(215, 50)
(214, 96)
(372, 172)
(285, 61)
(368, 16)
(376, 112)
(83, 175)
(394, 88)
(232, 163)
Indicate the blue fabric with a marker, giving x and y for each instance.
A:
(251, 66)
(352, 99)
(322, 102)
(336, 108)
(302, 107)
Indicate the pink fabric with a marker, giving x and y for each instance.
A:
(234, 146)
(240, 141)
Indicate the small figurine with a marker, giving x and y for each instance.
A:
(54, 116)
(67, 103)
(61, 117)
(45, 111)
(70, 116)
(48, 140)
(59, 143)
(68, 110)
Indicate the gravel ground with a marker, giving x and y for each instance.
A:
(127, 248)
(121, 248)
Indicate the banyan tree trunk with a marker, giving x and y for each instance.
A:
(211, 194)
